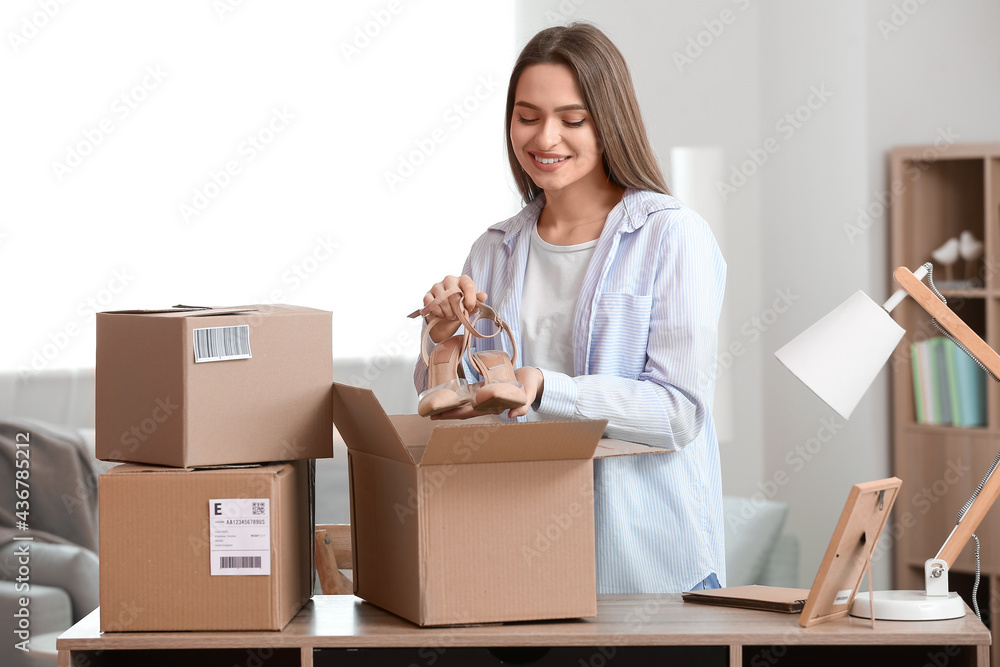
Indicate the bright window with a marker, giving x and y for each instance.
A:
(336, 155)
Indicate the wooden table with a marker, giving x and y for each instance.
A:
(630, 629)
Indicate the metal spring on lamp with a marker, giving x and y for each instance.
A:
(929, 279)
(961, 513)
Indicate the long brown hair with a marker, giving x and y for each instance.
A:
(608, 93)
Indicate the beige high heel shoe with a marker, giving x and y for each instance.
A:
(499, 389)
(447, 386)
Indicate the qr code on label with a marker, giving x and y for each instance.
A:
(258, 509)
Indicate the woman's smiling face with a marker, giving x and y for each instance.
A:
(552, 133)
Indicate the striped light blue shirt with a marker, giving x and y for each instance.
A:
(644, 339)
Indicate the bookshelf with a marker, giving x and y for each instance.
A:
(939, 191)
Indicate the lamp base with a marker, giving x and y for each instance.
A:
(909, 606)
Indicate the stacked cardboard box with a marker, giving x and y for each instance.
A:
(236, 402)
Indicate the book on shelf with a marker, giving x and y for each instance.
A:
(969, 380)
(949, 386)
(924, 379)
(918, 390)
(939, 381)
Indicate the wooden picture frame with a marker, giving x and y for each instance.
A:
(848, 557)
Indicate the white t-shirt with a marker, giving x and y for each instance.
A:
(552, 283)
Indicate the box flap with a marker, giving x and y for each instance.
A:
(493, 441)
(205, 311)
(363, 424)
(139, 468)
(153, 311)
(610, 447)
(183, 312)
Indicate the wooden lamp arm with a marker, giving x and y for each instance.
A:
(962, 533)
(948, 319)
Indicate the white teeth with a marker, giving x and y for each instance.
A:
(548, 160)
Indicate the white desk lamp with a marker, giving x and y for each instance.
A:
(838, 358)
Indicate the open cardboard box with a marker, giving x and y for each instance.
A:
(477, 521)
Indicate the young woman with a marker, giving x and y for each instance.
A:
(612, 290)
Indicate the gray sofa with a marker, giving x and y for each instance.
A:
(51, 581)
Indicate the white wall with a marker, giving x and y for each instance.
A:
(810, 188)
(790, 261)
(710, 101)
(940, 69)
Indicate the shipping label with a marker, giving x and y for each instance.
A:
(240, 536)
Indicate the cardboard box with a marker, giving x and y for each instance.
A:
(157, 404)
(164, 531)
(472, 521)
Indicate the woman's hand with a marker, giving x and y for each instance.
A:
(445, 308)
(533, 382)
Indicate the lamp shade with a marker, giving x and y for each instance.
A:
(839, 356)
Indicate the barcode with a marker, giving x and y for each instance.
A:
(222, 343)
(258, 509)
(239, 562)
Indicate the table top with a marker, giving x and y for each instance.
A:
(622, 620)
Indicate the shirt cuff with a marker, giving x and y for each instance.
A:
(559, 395)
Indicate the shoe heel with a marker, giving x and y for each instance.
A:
(499, 390)
(443, 397)
(448, 386)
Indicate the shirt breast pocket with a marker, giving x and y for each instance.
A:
(620, 335)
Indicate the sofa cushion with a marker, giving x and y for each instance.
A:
(782, 568)
(753, 526)
(49, 607)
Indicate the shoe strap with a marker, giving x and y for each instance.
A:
(483, 311)
(461, 352)
(487, 312)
